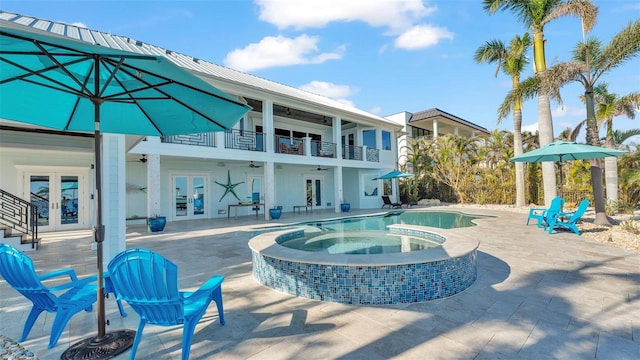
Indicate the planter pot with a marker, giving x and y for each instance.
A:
(157, 224)
(345, 207)
(275, 213)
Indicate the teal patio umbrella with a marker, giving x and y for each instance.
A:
(395, 174)
(563, 151)
(72, 85)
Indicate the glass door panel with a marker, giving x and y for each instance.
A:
(39, 186)
(180, 186)
(198, 195)
(69, 203)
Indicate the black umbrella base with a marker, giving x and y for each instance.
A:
(104, 347)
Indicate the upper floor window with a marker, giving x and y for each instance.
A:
(386, 140)
(369, 139)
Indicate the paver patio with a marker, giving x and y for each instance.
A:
(537, 296)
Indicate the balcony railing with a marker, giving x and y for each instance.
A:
(289, 145)
(203, 139)
(373, 155)
(323, 149)
(350, 152)
(244, 140)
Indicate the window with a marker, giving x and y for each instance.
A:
(369, 139)
(386, 140)
(387, 186)
(370, 187)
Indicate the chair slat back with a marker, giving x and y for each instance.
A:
(557, 203)
(18, 270)
(149, 283)
(582, 208)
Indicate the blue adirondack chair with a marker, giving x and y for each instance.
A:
(17, 269)
(542, 214)
(149, 283)
(568, 219)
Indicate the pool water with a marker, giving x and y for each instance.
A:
(437, 219)
(358, 243)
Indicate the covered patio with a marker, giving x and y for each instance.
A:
(537, 296)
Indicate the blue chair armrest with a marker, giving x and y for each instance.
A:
(62, 272)
(204, 290)
(75, 283)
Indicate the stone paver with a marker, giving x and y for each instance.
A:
(537, 296)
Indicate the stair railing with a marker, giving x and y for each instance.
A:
(20, 215)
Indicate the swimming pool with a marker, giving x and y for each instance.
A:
(367, 277)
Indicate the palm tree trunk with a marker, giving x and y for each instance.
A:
(611, 179)
(611, 167)
(596, 164)
(545, 127)
(517, 145)
(545, 122)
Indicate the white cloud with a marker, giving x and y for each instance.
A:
(279, 51)
(531, 128)
(337, 92)
(297, 14)
(376, 110)
(569, 111)
(422, 36)
(328, 89)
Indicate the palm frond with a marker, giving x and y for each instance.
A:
(586, 10)
(624, 46)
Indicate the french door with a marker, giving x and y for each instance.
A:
(61, 198)
(190, 197)
(314, 191)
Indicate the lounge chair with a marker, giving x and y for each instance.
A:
(387, 202)
(149, 283)
(568, 219)
(404, 200)
(18, 270)
(541, 214)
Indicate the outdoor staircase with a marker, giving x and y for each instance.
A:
(19, 241)
(18, 225)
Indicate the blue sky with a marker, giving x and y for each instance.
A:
(382, 56)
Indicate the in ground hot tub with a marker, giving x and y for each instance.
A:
(359, 276)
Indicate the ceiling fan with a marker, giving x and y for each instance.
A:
(252, 165)
(143, 159)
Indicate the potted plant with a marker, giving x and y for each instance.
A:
(157, 223)
(345, 206)
(275, 212)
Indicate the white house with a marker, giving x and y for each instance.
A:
(294, 148)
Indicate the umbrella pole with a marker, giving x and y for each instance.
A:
(105, 345)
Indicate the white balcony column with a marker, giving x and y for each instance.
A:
(336, 130)
(456, 130)
(337, 184)
(267, 125)
(364, 153)
(153, 185)
(269, 188)
(307, 146)
(113, 202)
(219, 139)
(435, 128)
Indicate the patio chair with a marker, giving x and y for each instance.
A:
(149, 283)
(541, 214)
(387, 202)
(404, 200)
(17, 269)
(568, 219)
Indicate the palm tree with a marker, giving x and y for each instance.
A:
(607, 106)
(590, 61)
(512, 60)
(535, 14)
